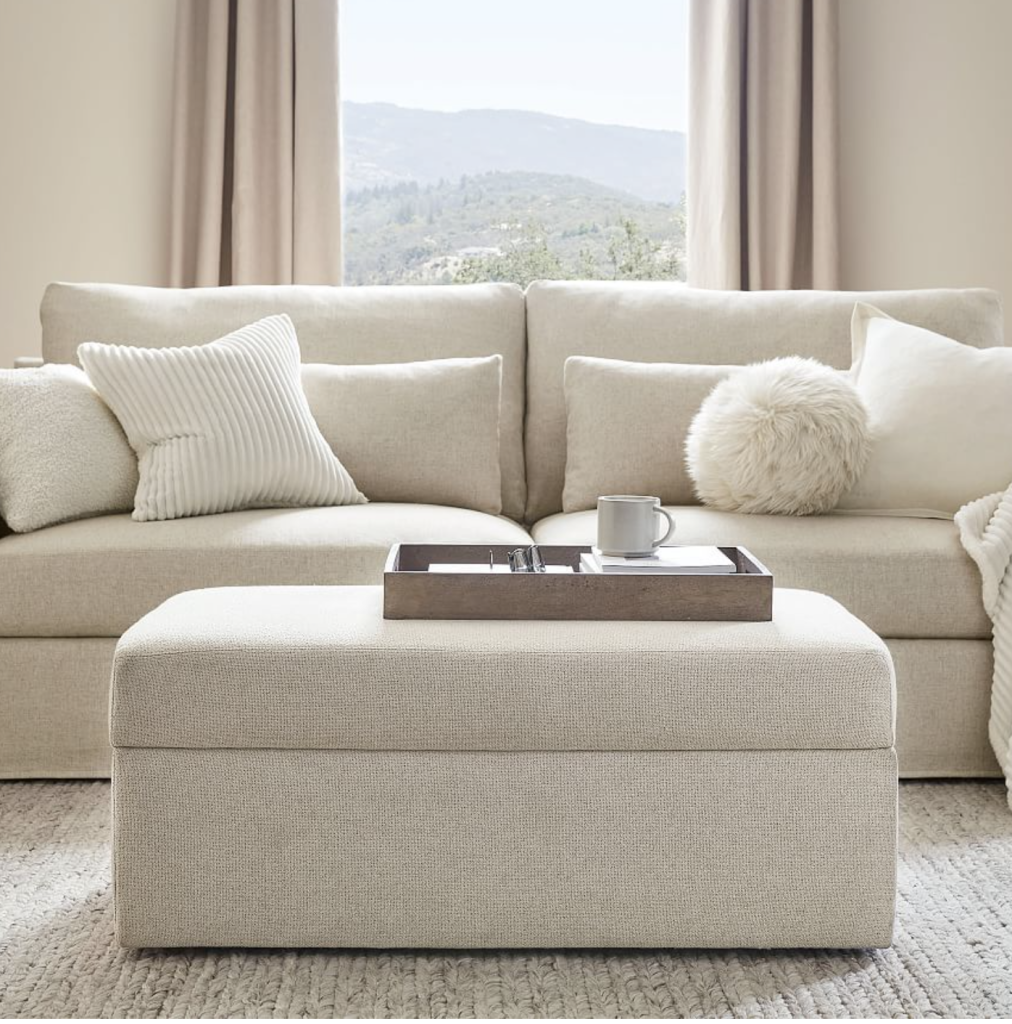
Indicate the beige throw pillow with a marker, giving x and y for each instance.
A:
(940, 415)
(425, 432)
(220, 427)
(626, 425)
(62, 454)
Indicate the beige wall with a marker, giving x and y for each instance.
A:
(926, 141)
(84, 128)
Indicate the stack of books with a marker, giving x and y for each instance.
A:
(688, 560)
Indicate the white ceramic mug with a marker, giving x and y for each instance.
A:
(626, 524)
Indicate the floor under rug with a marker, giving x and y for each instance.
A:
(952, 954)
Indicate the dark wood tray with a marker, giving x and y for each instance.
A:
(410, 591)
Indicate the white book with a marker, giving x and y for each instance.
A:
(686, 559)
(588, 564)
(484, 567)
(467, 567)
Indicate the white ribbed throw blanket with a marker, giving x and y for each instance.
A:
(985, 528)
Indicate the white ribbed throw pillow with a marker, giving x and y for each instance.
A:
(220, 427)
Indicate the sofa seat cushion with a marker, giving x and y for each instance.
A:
(320, 668)
(903, 577)
(96, 577)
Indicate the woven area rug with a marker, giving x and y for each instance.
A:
(952, 955)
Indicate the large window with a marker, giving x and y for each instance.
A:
(514, 141)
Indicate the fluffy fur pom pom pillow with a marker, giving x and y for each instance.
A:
(788, 436)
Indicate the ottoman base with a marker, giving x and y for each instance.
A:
(479, 849)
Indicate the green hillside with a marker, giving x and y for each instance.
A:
(508, 226)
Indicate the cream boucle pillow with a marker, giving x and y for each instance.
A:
(220, 427)
(787, 436)
(62, 454)
(940, 415)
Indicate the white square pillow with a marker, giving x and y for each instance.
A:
(425, 432)
(62, 454)
(626, 425)
(940, 415)
(220, 427)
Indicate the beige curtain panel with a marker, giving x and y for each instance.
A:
(256, 143)
(762, 175)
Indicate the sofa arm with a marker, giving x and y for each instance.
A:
(27, 362)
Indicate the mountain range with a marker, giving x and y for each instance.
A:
(387, 145)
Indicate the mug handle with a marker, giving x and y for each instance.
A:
(671, 526)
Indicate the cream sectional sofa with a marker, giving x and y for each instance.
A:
(70, 590)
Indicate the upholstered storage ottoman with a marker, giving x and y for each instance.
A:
(290, 769)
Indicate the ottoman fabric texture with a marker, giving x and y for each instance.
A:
(484, 849)
(292, 770)
(319, 667)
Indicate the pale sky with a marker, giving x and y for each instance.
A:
(609, 61)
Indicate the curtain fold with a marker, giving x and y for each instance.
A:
(762, 174)
(256, 143)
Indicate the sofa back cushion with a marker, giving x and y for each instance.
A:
(659, 322)
(345, 326)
